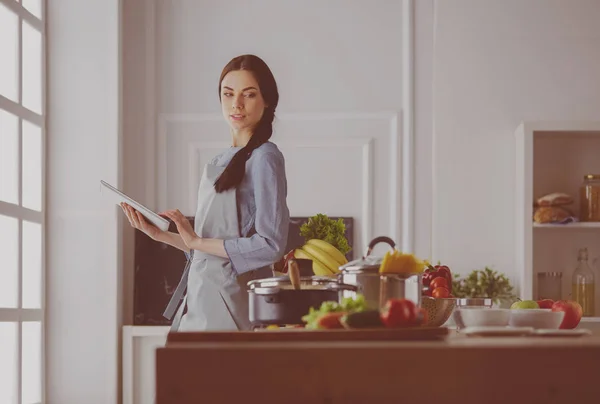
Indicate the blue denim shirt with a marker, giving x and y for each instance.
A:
(262, 209)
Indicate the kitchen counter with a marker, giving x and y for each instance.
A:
(456, 369)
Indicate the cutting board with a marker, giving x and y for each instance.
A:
(304, 335)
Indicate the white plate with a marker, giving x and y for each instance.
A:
(496, 331)
(563, 333)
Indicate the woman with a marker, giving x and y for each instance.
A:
(242, 218)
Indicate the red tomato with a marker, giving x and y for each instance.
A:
(398, 313)
(440, 293)
(331, 320)
(439, 283)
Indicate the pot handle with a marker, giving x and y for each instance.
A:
(294, 274)
(342, 286)
(378, 240)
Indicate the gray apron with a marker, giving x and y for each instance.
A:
(216, 297)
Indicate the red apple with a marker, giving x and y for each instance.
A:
(573, 313)
(545, 303)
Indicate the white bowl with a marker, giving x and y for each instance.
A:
(536, 318)
(481, 317)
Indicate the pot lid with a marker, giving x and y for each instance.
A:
(368, 263)
(284, 282)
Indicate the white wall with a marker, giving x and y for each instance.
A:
(423, 125)
(83, 262)
(494, 64)
(334, 109)
(497, 63)
(138, 129)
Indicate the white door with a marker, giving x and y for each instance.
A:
(339, 65)
(22, 160)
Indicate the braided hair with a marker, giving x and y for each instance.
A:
(234, 172)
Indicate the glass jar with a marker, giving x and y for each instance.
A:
(589, 198)
(549, 285)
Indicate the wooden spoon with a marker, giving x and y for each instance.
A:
(294, 274)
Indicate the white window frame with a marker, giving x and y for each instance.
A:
(20, 315)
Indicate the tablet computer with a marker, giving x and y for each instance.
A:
(117, 196)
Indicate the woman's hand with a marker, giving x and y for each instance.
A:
(184, 227)
(139, 222)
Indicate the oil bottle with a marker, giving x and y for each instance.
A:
(583, 284)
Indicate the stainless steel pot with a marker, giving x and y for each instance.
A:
(375, 287)
(408, 286)
(278, 301)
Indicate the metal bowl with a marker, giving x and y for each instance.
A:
(474, 302)
(438, 310)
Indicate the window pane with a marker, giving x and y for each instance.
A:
(9, 251)
(9, 157)
(32, 68)
(9, 53)
(31, 370)
(32, 265)
(8, 363)
(34, 7)
(32, 166)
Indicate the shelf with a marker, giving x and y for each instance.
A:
(577, 225)
(553, 157)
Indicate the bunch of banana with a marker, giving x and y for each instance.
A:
(396, 262)
(325, 257)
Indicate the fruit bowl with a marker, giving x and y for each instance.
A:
(438, 310)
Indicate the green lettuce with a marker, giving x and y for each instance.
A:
(322, 227)
(347, 305)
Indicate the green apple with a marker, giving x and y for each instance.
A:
(525, 304)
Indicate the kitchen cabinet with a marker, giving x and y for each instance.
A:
(554, 157)
(140, 344)
(457, 369)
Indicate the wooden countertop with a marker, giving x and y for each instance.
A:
(457, 369)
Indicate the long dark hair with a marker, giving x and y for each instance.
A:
(234, 172)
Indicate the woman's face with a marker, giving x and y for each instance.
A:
(241, 100)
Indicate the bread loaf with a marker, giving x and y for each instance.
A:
(555, 199)
(551, 214)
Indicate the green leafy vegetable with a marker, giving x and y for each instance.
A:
(322, 227)
(347, 305)
(483, 283)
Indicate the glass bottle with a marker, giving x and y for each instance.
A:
(589, 198)
(583, 284)
(549, 285)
